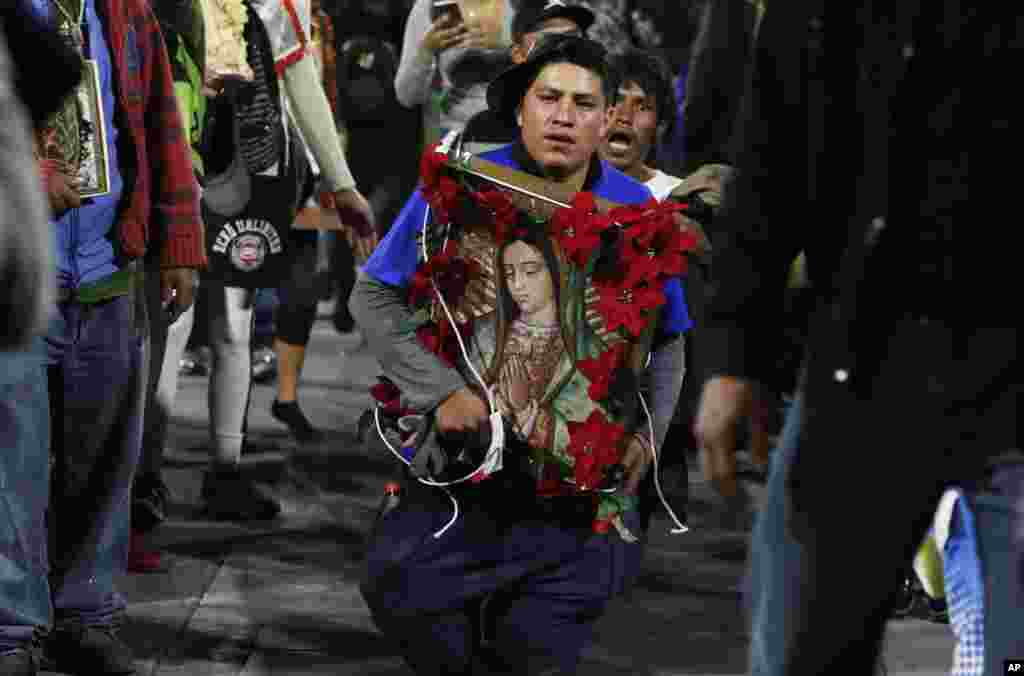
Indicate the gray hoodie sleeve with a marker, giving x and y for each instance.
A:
(666, 372)
(383, 317)
(415, 70)
(27, 273)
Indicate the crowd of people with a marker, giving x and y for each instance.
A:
(696, 249)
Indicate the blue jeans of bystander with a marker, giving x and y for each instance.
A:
(24, 493)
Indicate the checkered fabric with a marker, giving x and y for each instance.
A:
(965, 592)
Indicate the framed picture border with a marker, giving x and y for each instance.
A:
(93, 113)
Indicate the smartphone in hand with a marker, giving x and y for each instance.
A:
(441, 7)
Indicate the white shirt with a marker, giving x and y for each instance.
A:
(661, 184)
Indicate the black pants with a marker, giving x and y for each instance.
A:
(298, 293)
(343, 280)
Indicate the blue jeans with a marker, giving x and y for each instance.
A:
(24, 493)
(885, 420)
(1000, 521)
(778, 584)
(776, 561)
(97, 376)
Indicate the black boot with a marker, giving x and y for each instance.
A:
(298, 424)
(89, 651)
(230, 496)
(149, 502)
(20, 662)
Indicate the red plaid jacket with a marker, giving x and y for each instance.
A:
(161, 199)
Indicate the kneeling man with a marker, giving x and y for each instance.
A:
(543, 544)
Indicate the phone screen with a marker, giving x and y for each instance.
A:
(445, 7)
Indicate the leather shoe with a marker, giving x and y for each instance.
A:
(89, 651)
(20, 662)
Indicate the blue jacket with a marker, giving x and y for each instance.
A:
(84, 247)
(395, 259)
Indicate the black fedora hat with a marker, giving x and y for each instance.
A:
(506, 91)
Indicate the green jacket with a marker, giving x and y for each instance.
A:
(185, 36)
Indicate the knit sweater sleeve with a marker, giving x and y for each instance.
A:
(289, 25)
(312, 113)
(174, 193)
(415, 70)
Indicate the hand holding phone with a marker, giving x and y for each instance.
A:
(441, 7)
(447, 31)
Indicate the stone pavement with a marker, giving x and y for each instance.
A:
(280, 599)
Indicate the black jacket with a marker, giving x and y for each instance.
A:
(854, 148)
(716, 80)
(35, 49)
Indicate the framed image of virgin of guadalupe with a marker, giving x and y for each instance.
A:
(557, 310)
(94, 160)
(75, 137)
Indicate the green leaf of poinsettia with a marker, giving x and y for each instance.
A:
(613, 504)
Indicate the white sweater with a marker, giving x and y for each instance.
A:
(465, 85)
(304, 98)
(661, 184)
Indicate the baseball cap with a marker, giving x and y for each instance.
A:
(533, 13)
(507, 90)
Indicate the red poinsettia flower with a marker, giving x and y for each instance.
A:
(584, 200)
(640, 265)
(602, 526)
(627, 214)
(644, 221)
(503, 212)
(656, 247)
(430, 338)
(439, 338)
(421, 288)
(628, 306)
(448, 270)
(595, 445)
(443, 198)
(600, 370)
(388, 396)
(431, 165)
(439, 189)
(579, 228)
(639, 222)
(453, 278)
(671, 248)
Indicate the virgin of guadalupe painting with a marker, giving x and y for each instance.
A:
(532, 324)
(520, 345)
(556, 317)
